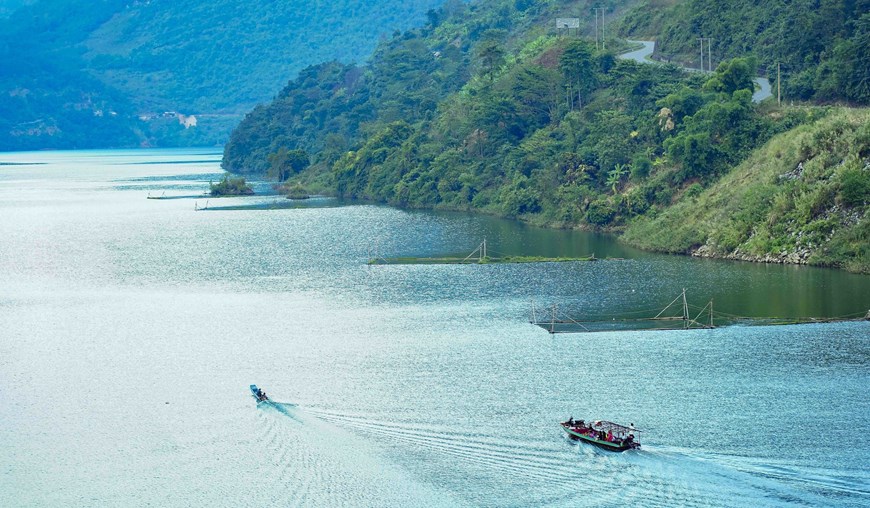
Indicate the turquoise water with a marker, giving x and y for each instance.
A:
(131, 328)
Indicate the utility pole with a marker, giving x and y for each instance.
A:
(602, 30)
(597, 11)
(596, 27)
(709, 54)
(778, 85)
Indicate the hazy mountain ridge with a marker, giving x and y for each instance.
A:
(119, 73)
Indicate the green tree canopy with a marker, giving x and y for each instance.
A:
(732, 75)
(577, 67)
(284, 163)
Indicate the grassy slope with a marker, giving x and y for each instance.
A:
(786, 203)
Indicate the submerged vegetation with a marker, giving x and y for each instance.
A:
(487, 108)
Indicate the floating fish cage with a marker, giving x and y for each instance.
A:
(678, 315)
(478, 256)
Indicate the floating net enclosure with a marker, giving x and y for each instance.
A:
(677, 315)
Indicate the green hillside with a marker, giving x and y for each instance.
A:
(120, 73)
(802, 198)
(823, 48)
(331, 108)
(489, 108)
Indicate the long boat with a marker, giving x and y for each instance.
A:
(603, 434)
(258, 394)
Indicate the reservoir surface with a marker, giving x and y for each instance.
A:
(130, 329)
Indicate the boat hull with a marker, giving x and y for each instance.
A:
(604, 445)
(254, 391)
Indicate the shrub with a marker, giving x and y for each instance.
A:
(600, 212)
(854, 187)
(231, 186)
(694, 190)
(640, 167)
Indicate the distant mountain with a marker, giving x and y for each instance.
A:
(155, 72)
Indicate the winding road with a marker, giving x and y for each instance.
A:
(642, 55)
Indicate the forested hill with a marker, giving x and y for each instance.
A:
(488, 107)
(822, 47)
(125, 73)
(331, 107)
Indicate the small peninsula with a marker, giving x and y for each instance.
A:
(231, 186)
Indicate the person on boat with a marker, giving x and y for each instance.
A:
(571, 420)
(610, 435)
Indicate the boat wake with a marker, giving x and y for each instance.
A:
(560, 471)
(311, 453)
(508, 467)
(537, 461)
(743, 481)
(285, 408)
(837, 483)
(515, 470)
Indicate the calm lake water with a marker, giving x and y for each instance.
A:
(130, 329)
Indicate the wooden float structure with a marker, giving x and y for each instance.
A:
(478, 256)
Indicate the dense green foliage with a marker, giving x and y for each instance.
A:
(331, 107)
(285, 163)
(804, 197)
(485, 108)
(77, 75)
(231, 186)
(823, 46)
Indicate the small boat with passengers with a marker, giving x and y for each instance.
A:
(258, 394)
(606, 435)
